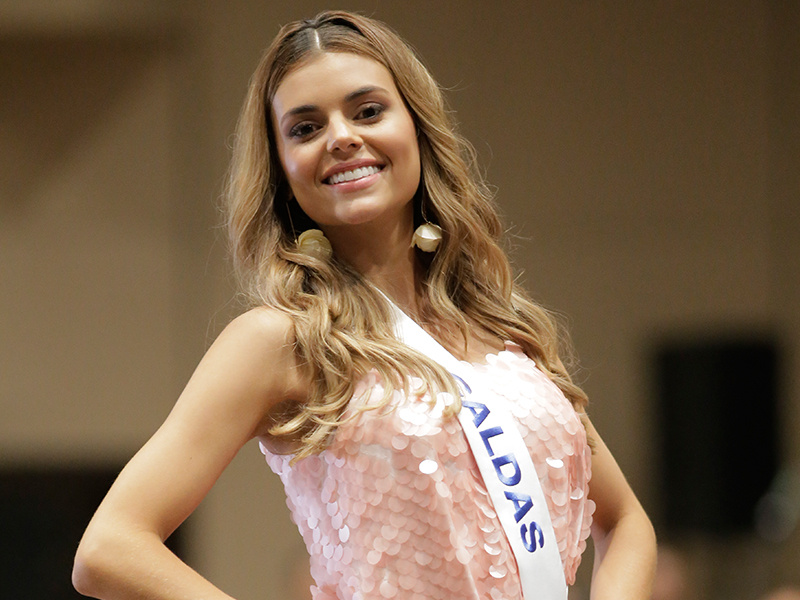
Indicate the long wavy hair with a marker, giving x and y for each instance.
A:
(343, 325)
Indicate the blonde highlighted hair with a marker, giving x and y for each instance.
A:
(343, 325)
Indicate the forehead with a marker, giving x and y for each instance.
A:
(329, 77)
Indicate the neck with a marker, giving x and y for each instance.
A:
(384, 256)
(399, 284)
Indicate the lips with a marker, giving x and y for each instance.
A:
(347, 173)
(359, 173)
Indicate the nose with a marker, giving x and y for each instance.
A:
(342, 136)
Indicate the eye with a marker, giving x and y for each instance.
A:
(371, 111)
(302, 130)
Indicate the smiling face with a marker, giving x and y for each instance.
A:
(346, 142)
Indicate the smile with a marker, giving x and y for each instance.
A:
(353, 175)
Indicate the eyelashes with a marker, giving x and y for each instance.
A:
(371, 111)
(302, 130)
(368, 113)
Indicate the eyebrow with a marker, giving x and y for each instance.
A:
(354, 95)
(363, 91)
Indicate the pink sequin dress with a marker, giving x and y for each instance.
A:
(395, 506)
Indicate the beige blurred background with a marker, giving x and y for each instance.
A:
(646, 154)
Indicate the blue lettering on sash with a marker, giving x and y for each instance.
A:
(479, 411)
(465, 389)
(500, 462)
(489, 433)
(531, 535)
(522, 504)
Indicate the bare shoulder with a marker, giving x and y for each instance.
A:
(250, 368)
(260, 334)
(262, 325)
(261, 343)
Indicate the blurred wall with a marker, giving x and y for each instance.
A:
(645, 155)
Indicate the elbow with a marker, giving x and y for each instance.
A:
(633, 525)
(84, 572)
(82, 576)
(647, 532)
(88, 568)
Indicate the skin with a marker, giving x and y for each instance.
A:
(356, 117)
(122, 555)
(370, 222)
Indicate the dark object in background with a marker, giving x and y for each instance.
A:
(719, 449)
(43, 512)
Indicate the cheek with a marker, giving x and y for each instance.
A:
(298, 168)
(405, 145)
(292, 159)
(413, 167)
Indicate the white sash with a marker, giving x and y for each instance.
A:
(507, 470)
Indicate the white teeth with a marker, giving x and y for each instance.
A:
(354, 174)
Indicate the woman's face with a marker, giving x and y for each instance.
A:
(347, 142)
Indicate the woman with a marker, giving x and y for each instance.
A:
(387, 334)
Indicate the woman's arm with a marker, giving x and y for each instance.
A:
(624, 540)
(122, 555)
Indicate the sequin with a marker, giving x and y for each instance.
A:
(338, 552)
(399, 442)
(576, 494)
(419, 448)
(403, 476)
(367, 583)
(388, 532)
(428, 466)
(382, 486)
(398, 520)
(347, 556)
(361, 463)
(344, 534)
(388, 590)
(327, 490)
(463, 556)
(395, 507)
(405, 493)
(497, 572)
(407, 581)
(422, 484)
(403, 536)
(442, 489)
(492, 550)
